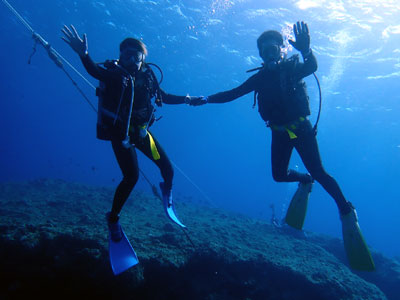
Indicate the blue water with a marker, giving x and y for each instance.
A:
(204, 47)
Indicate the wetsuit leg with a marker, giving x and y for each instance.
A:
(281, 151)
(127, 161)
(163, 163)
(307, 147)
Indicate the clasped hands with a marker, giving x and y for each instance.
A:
(196, 100)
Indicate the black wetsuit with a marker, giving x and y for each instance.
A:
(142, 113)
(283, 104)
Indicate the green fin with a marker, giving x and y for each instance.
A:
(356, 248)
(297, 210)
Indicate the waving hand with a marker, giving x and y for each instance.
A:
(302, 36)
(72, 38)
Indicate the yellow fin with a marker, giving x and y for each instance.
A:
(297, 210)
(356, 248)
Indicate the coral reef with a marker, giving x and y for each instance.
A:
(54, 245)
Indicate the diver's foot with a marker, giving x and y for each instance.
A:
(306, 178)
(114, 227)
(346, 209)
(307, 185)
(166, 194)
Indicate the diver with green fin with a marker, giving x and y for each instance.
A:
(125, 113)
(283, 104)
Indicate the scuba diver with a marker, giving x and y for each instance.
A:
(283, 104)
(125, 113)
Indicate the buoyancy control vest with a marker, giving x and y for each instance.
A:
(290, 100)
(125, 101)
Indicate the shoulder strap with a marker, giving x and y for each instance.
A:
(153, 77)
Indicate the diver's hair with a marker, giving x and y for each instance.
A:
(133, 43)
(269, 35)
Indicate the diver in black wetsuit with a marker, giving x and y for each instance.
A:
(124, 116)
(284, 105)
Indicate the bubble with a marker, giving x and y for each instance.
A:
(287, 33)
(220, 6)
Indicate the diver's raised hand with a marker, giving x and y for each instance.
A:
(72, 38)
(302, 36)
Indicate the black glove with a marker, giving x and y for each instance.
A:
(302, 36)
(196, 101)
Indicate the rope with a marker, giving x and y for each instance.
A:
(80, 90)
(76, 71)
(192, 182)
(18, 16)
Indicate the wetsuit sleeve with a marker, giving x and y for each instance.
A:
(243, 89)
(171, 99)
(306, 68)
(94, 70)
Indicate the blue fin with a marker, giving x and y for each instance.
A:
(169, 206)
(122, 255)
(171, 214)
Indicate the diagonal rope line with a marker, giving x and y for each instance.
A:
(75, 70)
(192, 182)
(18, 16)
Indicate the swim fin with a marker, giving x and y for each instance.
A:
(169, 205)
(297, 210)
(356, 248)
(122, 255)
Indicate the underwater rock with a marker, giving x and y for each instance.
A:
(221, 256)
